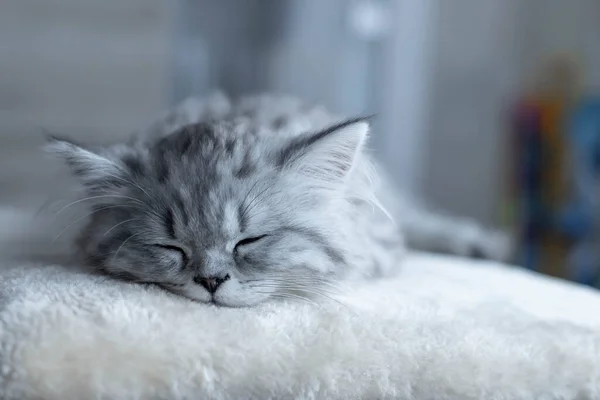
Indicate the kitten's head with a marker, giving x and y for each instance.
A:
(221, 216)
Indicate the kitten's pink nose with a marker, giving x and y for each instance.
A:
(211, 283)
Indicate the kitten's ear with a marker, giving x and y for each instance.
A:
(329, 154)
(92, 168)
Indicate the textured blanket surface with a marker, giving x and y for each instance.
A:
(445, 328)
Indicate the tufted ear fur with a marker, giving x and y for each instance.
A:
(329, 154)
(94, 169)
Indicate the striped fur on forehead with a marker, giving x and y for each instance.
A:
(222, 147)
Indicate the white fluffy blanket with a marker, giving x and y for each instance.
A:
(445, 328)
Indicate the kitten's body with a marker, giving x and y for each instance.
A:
(236, 203)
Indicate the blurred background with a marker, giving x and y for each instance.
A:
(486, 108)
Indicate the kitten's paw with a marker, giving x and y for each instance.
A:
(474, 241)
(492, 245)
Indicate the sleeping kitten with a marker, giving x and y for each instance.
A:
(237, 203)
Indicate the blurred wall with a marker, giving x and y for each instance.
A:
(302, 47)
(548, 26)
(93, 70)
(473, 77)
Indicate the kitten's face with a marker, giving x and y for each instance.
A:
(218, 217)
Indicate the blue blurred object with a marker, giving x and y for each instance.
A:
(579, 218)
(528, 179)
(576, 217)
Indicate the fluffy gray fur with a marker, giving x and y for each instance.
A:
(236, 203)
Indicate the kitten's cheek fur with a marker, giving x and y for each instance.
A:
(230, 294)
(236, 295)
(195, 292)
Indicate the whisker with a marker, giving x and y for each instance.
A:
(255, 199)
(122, 244)
(98, 197)
(256, 214)
(82, 217)
(120, 223)
(247, 195)
(301, 285)
(327, 297)
(129, 182)
(293, 297)
(255, 202)
(291, 287)
(303, 280)
(309, 290)
(297, 277)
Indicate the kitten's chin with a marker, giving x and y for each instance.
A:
(239, 300)
(228, 296)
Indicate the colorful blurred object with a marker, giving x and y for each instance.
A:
(556, 176)
(579, 217)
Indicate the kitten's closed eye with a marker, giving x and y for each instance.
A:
(250, 240)
(174, 249)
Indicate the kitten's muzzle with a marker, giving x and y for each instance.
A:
(211, 283)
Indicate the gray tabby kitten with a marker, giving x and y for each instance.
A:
(235, 203)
